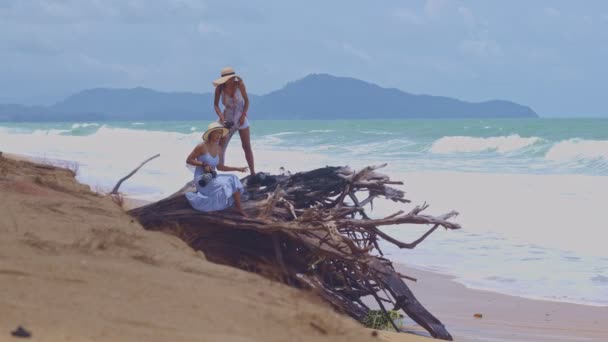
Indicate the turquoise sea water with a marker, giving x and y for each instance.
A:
(531, 193)
(522, 146)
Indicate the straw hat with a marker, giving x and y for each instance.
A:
(214, 126)
(226, 73)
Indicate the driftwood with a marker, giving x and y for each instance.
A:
(115, 190)
(310, 230)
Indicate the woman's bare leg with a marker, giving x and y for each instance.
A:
(237, 203)
(246, 143)
(224, 144)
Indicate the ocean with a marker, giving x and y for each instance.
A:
(531, 193)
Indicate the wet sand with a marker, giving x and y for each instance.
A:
(504, 318)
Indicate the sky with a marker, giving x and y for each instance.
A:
(549, 55)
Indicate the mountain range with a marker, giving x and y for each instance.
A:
(316, 96)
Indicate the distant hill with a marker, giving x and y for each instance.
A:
(322, 96)
(20, 113)
(138, 103)
(317, 96)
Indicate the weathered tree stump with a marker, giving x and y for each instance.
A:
(309, 230)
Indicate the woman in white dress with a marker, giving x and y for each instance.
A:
(230, 89)
(220, 191)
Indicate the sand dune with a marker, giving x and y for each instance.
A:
(75, 267)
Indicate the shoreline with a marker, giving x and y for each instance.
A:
(504, 317)
(457, 280)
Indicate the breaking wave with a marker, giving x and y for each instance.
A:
(464, 144)
(578, 150)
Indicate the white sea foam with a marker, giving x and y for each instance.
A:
(49, 132)
(464, 144)
(84, 124)
(274, 139)
(280, 134)
(514, 226)
(321, 131)
(578, 149)
(378, 132)
(10, 130)
(110, 152)
(558, 211)
(383, 148)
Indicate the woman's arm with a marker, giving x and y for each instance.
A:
(216, 103)
(197, 151)
(222, 167)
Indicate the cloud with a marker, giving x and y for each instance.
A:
(29, 40)
(479, 44)
(35, 46)
(441, 67)
(350, 50)
(206, 29)
(551, 12)
(468, 17)
(434, 8)
(566, 73)
(189, 5)
(539, 54)
(92, 63)
(408, 16)
(481, 48)
(167, 11)
(7, 4)
(69, 11)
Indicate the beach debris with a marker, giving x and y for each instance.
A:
(478, 315)
(115, 190)
(21, 332)
(311, 230)
(319, 328)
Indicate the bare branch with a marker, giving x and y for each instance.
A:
(115, 190)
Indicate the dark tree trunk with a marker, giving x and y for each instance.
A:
(303, 232)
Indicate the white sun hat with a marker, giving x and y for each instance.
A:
(214, 126)
(226, 73)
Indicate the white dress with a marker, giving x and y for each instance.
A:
(233, 110)
(217, 194)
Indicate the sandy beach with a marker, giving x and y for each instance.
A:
(74, 266)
